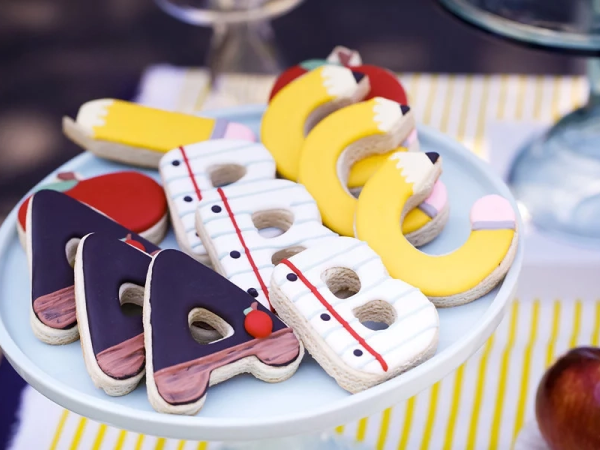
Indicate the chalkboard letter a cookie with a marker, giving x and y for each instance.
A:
(182, 293)
(55, 225)
(109, 277)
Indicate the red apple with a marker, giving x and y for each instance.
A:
(132, 199)
(568, 401)
(137, 244)
(257, 323)
(383, 82)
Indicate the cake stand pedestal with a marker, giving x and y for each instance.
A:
(242, 39)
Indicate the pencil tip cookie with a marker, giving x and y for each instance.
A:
(178, 369)
(362, 326)
(233, 223)
(108, 274)
(130, 198)
(189, 171)
(448, 280)
(139, 135)
(55, 225)
(302, 104)
(348, 136)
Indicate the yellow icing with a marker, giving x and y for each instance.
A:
(379, 209)
(415, 220)
(318, 167)
(283, 127)
(362, 170)
(283, 124)
(149, 128)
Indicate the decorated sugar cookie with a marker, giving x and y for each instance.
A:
(369, 128)
(130, 198)
(139, 135)
(448, 280)
(230, 221)
(181, 291)
(383, 83)
(189, 171)
(377, 329)
(301, 105)
(55, 225)
(109, 273)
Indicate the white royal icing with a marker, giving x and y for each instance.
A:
(92, 114)
(416, 168)
(203, 158)
(245, 201)
(413, 332)
(338, 81)
(387, 114)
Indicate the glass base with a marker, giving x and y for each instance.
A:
(324, 441)
(556, 178)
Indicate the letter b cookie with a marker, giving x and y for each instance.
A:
(362, 326)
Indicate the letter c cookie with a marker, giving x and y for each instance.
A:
(348, 136)
(448, 280)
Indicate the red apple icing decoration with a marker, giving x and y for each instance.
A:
(130, 198)
(568, 401)
(129, 240)
(257, 323)
(383, 82)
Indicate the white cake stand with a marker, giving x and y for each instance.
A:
(245, 408)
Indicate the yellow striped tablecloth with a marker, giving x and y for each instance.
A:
(484, 403)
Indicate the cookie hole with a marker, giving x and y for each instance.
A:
(206, 327)
(271, 223)
(285, 254)
(341, 281)
(71, 250)
(132, 299)
(226, 174)
(376, 315)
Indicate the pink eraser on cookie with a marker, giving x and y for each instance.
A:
(238, 131)
(438, 197)
(493, 208)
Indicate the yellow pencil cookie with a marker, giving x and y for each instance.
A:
(300, 105)
(361, 133)
(134, 134)
(448, 280)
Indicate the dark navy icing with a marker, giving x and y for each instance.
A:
(56, 219)
(107, 264)
(180, 284)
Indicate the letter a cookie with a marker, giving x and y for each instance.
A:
(180, 292)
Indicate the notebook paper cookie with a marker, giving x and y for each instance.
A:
(345, 138)
(181, 291)
(378, 329)
(108, 274)
(135, 134)
(230, 220)
(188, 172)
(55, 225)
(448, 280)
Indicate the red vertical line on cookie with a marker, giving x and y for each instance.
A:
(335, 314)
(190, 172)
(246, 249)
